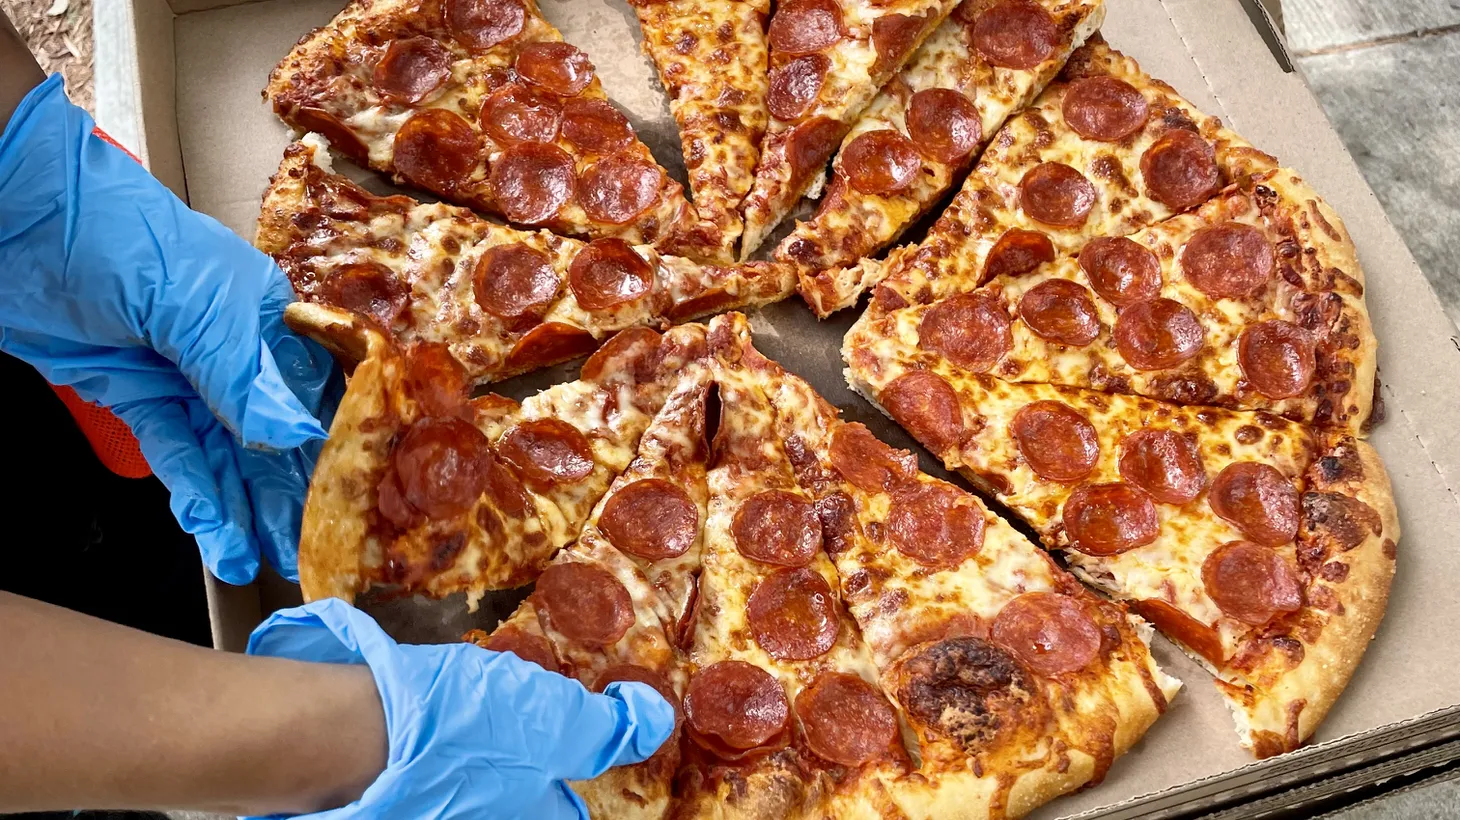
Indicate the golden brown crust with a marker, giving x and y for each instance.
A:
(1285, 679)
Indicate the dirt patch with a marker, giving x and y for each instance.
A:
(59, 35)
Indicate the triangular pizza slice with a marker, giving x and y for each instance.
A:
(1254, 300)
(784, 713)
(422, 490)
(1019, 684)
(1263, 548)
(918, 137)
(504, 301)
(482, 103)
(711, 59)
(1105, 151)
(827, 60)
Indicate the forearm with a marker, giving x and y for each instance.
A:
(18, 70)
(96, 715)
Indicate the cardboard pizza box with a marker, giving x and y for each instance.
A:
(179, 82)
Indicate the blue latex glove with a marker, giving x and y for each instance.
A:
(110, 284)
(472, 733)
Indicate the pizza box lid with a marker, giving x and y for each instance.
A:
(179, 80)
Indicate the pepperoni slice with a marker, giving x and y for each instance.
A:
(881, 162)
(531, 648)
(1164, 463)
(847, 720)
(777, 527)
(390, 501)
(811, 145)
(1180, 170)
(927, 405)
(596, 126)
(739, 705)
(1050, 632)
(340, 137)
(1259, 500)
(514, 280)
(532, 182)
(1108, 519)
(585, 603)
(635, 350)
(1228, 261)
(442, 464)
(935, 525)
(437, 149)
(617, 189)
(1177, 625)
(412, 68)
(559, 68)
(1250, 582)
(795, 85)
(944, 125)
(367, 288)
(1056, 194)
(971, 330)
(1278, 358)
(1057, 440)
(1061, 311)
(792, 614)
(806, 27)
(893, 36)
(1104, 108)
(516, 113)
(481, 24)
(866, 462)
(608, 273)
(1017, 252)
(1121, 270)
(550, 343)
(651, 518)
(1158, 333)
(1015, 34)
(434, 379)
(547, 452)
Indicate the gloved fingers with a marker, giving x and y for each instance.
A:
(277, 485)
(193, 456)
(626, 724)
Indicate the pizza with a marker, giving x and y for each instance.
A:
(917, 138)
(1264, 546)
(503, 301)
(422, 490)
(827, 60)
(1104, 151)
(482, 103)
(840, 595)
(1253, 300)
(711, 59)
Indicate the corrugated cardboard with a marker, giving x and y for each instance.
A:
(188, 101)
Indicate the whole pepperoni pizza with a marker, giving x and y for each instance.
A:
(1142, 335)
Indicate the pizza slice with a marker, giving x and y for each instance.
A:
(1106, 150)
(592, 617)
(482, 103)
(827, 60)
(421, 490)
(784, 714)
(1018, 684)
(711, 59)
(1264, 548)
(1254, 300)
(505, 301)
(917, 138)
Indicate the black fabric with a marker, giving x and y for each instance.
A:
(82, 537)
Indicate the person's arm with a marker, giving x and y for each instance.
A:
(97, 715)
(19, 72)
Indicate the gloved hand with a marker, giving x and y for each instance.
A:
(472, 733)
(110, 284)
